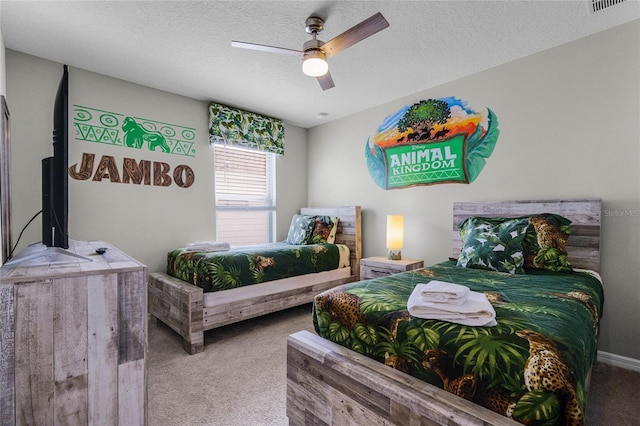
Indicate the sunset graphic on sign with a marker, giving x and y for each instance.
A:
(432, 141)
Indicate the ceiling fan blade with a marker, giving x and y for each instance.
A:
(326, 82)
(353, 35)
(265, 48)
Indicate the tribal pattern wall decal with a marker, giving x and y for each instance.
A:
(430, 142)
(94, 125)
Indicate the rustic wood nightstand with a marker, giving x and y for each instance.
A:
(379, 266)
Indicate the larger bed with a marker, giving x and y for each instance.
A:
(532, 365)
(191, 309)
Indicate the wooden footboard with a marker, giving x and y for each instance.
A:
(179, 305)
(239, 304)
(328, 384)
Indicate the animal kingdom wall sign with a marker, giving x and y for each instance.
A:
(431, 142)
(104, 127)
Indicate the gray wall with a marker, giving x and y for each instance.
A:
(569, 127)
(3, 81)
(2, 89)
(143, 220)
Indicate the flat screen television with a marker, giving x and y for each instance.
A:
(55, 193)
(55, 178)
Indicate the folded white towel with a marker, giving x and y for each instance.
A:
(475, 311)
(444, 292)
(208, 246)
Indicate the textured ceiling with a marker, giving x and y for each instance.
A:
(184, 47)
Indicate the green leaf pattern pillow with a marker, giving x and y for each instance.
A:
(300, 229)
(493, 243)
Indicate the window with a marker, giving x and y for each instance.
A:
(245, 195)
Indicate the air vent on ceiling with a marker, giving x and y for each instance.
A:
(598, 5)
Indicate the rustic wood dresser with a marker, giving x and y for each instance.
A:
(73, 339)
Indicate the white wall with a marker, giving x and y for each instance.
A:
(145, 221)
(569, 127)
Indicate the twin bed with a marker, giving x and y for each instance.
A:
(532, 366)
(180, 301)
(371, 362)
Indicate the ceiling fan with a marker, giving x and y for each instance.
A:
(314, 52)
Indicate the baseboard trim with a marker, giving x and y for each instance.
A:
(619, 361)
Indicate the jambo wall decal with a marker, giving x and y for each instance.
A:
(432, 141)
(143, 172)
(109, 128)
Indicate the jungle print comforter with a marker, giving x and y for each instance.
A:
(532, 366)
(246, 265)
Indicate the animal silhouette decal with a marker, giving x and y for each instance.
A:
(136, 136)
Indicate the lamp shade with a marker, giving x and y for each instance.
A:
(315, 63)
(395, 234)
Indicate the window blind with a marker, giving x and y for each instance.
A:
(245, 195)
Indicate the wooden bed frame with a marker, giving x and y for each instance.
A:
(330, 384)
(179, 304)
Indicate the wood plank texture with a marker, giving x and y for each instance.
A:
(132, 393)
(254, 306)
(34, 381)
(379, 266)
(70, 346)
(179, 304)
(7, 356)
(79, 341)
(583, 246)
(102, 326)
(113, 260)
(328, 384)
(132, 312)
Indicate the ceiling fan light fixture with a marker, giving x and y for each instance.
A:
(314, 63)
(314, 52)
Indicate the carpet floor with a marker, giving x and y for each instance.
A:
(240, 377)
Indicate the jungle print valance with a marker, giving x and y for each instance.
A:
(231, 126)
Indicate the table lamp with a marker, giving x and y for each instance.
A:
(395, 236)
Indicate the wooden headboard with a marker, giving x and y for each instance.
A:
(349, 230)
(583, 246)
